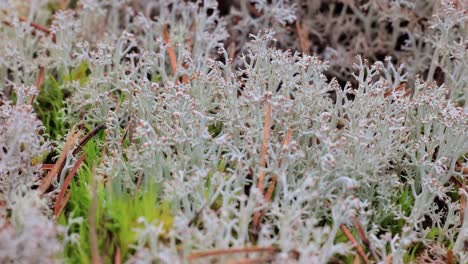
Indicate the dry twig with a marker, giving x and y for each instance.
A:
(47, 181)
(93, 240)
(449, 259)
(87, 137)
(39, 81)
(353, 241)
(170, 50)
(261, 176)
(60, 203)
(218, 252)
(303, 38)
(252, 260)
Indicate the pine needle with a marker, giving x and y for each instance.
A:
(218, 252)
(353, 241)
(170, 50)
(60, 204)
(47, 181)
(261, 176)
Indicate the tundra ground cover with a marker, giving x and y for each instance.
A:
(206, 132)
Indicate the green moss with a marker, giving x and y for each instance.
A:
(49, 108)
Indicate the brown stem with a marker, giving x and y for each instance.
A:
(87, 137)
(261, 176)
(353, 241)
(218, 252)
(363, 236)
(170, 50)
(252, 261)
(388, 259)
(59, 203)
(449, 259)
(39, 81)
(93, 239)
(47, 181)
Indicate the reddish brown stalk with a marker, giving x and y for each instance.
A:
(462, 203)
(184, 78)
(93, 239)
(37, 26)
(63, 5)
(360, 231)
(353, 241)
(218, 252)
(127, 128)
(252, 261)
(232, 49)
(356, 259)
(170, 50)
(88, 137)
(254, 10)
(261, 176)
(64, 202)
(194, 76)
(34, 25)
(118, 257)
(363, 236)
(303, 38)
(266, 135)
(47, 166)
(399, 88)
(462, 170)
(456, 182)
(388, 259)
(47, 181)
(449, 259)
(274, 178)
(272, 185)
(39, 81)
(59, 203)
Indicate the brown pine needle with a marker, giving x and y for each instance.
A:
(218, 252)
(261, 176)
(37, 26)
(272, 185)
(356, 259)
(59, 204)
(252, 261)
(93, 239)
(399, 88)
(449, 259)
(34, 25)
(362, 234)
(39, 81)
(186, 80)
(118, 257)
(63, 5)
(47, 166)
(88, 137)
(170, 50)
(266, 135)
(64, 202)
(127, 128)
(303, 38)
(462, 203)
(47, 181)
(462, 170)
(456, 182)
(353, 241)
(232, 49)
